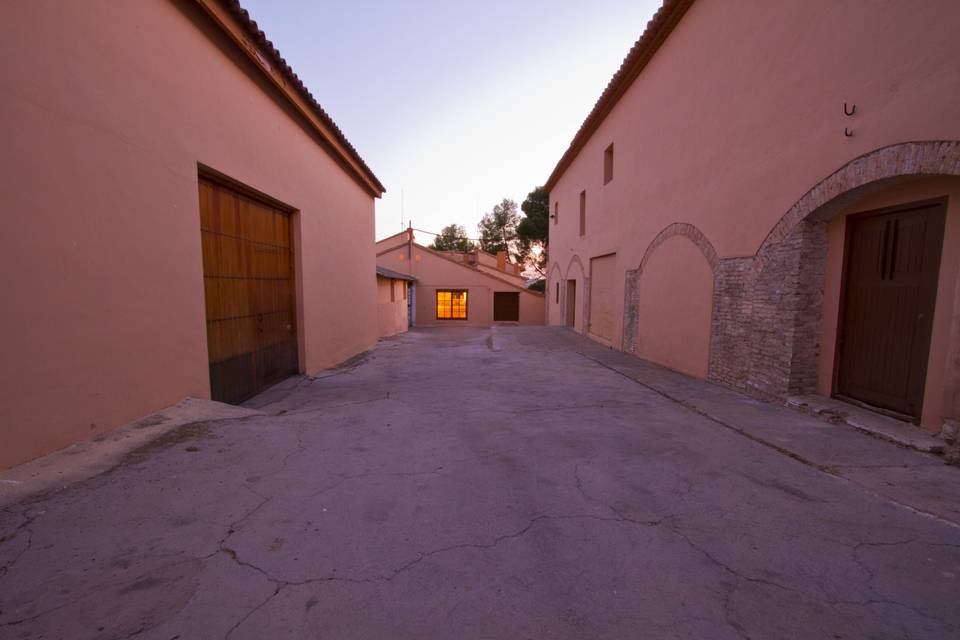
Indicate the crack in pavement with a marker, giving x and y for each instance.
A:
(618, 512)
(23, 526)
(252, 611)
(739, 577)
(282, 584)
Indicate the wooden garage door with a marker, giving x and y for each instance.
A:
(249, 286)
(602, 271)
(892, 263)
(506, 306)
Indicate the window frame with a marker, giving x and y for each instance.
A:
(466, 305)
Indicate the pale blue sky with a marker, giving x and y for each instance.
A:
(456, 104)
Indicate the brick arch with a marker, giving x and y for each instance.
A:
(631, 289)
(688, 231)
(869, 172)
(767, 307)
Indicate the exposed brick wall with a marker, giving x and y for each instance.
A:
(765, 330)
(631, 309)
(730, 325)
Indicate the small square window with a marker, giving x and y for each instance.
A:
(583, 213)
(608, 164)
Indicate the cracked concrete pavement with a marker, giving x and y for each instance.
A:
(545, 488)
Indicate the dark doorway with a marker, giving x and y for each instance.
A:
(506, 306)
(248, 278)
(571, 304)
(892, 260)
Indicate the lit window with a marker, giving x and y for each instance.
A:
(451, 305)
(608, 164)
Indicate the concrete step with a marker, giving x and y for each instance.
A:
(837, 411)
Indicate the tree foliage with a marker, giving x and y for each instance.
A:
(498, 228)
(533, 231)
(453, 237)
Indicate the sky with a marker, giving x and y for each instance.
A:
(454, 105)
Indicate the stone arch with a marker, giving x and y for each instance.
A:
(767, 307)
(555, 269)
(575, 260)
(631, 289)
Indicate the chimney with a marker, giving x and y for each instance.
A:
(502, 261)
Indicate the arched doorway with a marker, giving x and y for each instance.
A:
(768, 308)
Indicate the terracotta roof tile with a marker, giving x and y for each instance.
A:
(261, 39)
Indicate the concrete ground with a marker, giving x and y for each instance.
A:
(514, 483)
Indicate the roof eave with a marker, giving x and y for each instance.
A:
(658, 28)
(236, 23)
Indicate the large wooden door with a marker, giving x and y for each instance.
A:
(570, 318)
(248, 279)
(892, 263)
(602, 296)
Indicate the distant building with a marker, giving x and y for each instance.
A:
(452, 287)
(182, 218)
(766, 195)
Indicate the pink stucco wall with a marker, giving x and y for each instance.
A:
(676, 291)
(735, 117)
(108, 107)
(391, 306)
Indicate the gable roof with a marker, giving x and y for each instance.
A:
(460, 264)
(253, 42)
(483, 272)
(658, 28)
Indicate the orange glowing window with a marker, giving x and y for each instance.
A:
(451, 305)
